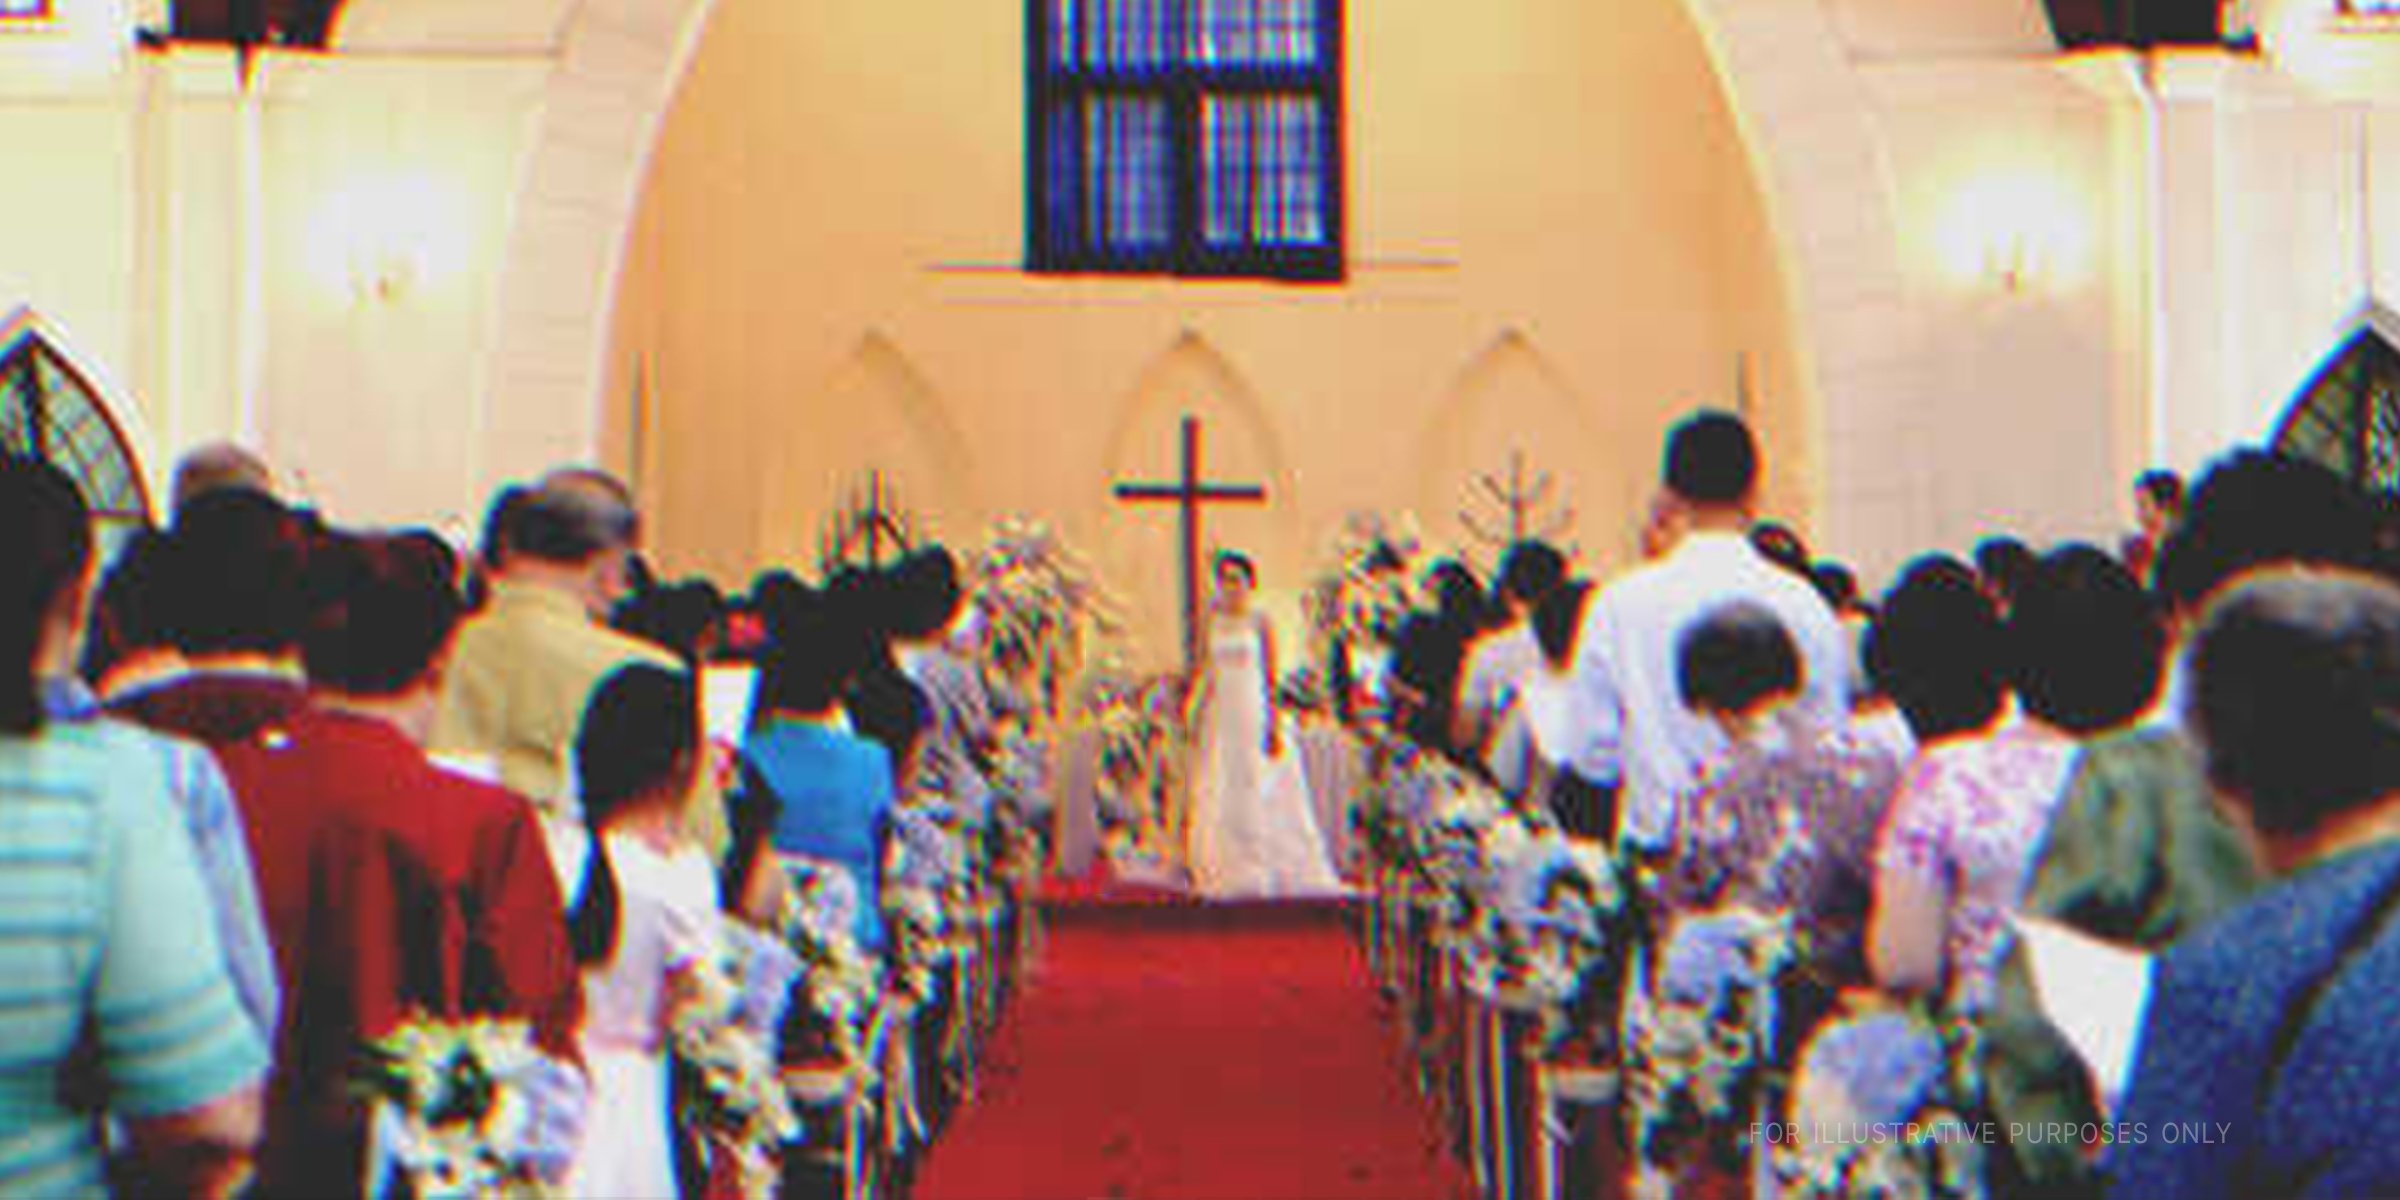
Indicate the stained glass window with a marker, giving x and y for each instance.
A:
(2348, 417)
(1187, 137)
(48, 410)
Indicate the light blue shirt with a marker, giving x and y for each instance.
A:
(220, 846)
(105, 941)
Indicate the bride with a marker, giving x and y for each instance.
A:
(1253, 827)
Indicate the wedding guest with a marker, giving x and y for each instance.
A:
(118, 1001)
(925, 600)
(1786, 818)
(236, 579)
(392, 887)
(1954, 852)
(2003, 562)
(1625, 667)
(646, 909)
(219, 467)
(130, 642)
(1576, 751)
(2277, 1029)
(1430, 650)
(2137, 854)
(527, 665)
(2157, 508)
(1487, 728)
(833, 788)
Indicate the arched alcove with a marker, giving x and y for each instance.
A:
(876, 414)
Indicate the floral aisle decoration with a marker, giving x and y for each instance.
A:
(927, 892)
(1042, 607)
(1876, 1109)
(1700, 1037)
(729, 1094)
(470, 1109)
(1560, 922)
(1138, 724)
(839, 980)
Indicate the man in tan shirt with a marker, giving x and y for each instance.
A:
(528, 663)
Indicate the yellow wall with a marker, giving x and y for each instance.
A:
(1556, 246)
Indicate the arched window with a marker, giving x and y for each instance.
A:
(2348, 417)
(50, 411)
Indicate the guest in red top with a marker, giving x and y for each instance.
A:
(400, 888)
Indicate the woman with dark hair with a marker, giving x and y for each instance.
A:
(118, 1001)
(1973, 806)
(645, 910)
(833, 789)
(2138, 855)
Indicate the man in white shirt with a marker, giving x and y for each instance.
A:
(1487, 725)
(1624, 674)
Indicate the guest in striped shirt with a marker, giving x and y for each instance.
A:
(118, 1002)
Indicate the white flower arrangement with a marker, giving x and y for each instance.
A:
(460, 1110)
(819, 922)
(729, 1090)
(1881, 1066)
(1699, 1037)
(1041, 604)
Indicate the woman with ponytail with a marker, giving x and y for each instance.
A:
(646, 906)
(111, 958)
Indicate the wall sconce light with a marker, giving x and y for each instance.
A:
(383, 240)
(2015, 234)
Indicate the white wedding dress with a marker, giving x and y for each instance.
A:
(1254, 829)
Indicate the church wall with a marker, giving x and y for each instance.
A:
(1553, 229)
(2002, 182)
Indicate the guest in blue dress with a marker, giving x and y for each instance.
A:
(2270, 1060)
(832, 788)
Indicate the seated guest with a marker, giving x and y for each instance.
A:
(1786, 818)
(528, 663)
(236, 576)
(2275, 1028)
(2137, 854)
(1487, 728)
(925, 601)
(645, 910)
(1954, 853)
(118, 1002)
(391, 886)
(833, 787)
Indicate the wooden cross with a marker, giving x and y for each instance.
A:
(1190, 494)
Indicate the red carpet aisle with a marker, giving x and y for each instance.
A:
(1167, 1052)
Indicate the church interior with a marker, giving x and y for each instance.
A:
(1205, 374)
